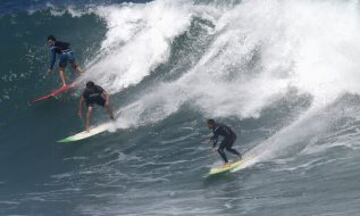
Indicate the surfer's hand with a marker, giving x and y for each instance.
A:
(107, 102)
(49, 71)
(80, 114)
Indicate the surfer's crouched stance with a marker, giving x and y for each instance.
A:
(65, 54)
(94, 94)
(228, 141)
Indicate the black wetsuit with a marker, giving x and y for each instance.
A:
(228, 141)
(94, 96)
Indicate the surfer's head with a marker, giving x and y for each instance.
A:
(90, 84)
(51, 39)
(211, 123)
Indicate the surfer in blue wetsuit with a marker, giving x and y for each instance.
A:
(66, 55)
(229, 138)
(94, 94)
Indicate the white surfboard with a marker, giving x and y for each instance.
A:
(85, 134)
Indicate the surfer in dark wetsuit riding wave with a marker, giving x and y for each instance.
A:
(94, 94)
(66, 55)
(229, 138)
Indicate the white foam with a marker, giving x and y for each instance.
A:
(138, 40)
(260, 50)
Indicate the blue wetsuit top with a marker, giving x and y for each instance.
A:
(58, 48)
(222, 130)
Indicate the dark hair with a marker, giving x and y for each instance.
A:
(90, 84)
(51, 37)
(211, 121)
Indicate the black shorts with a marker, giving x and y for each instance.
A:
(99, 101)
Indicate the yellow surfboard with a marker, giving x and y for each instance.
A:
(223, 169)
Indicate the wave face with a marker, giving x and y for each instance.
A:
(283, 74)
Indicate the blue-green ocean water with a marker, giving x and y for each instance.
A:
(283, 75)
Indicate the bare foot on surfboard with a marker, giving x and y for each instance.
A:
(227, 165)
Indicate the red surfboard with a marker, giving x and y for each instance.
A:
(54, 93)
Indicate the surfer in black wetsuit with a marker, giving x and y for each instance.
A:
(94, 94)
(66, 55)
(228, 141)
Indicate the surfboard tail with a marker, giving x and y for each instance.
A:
(66, 140)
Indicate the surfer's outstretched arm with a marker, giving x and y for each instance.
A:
(88, 118)
(214, 140)
(52, 60)
(81, 103)
(106, 97)
(108, 108)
